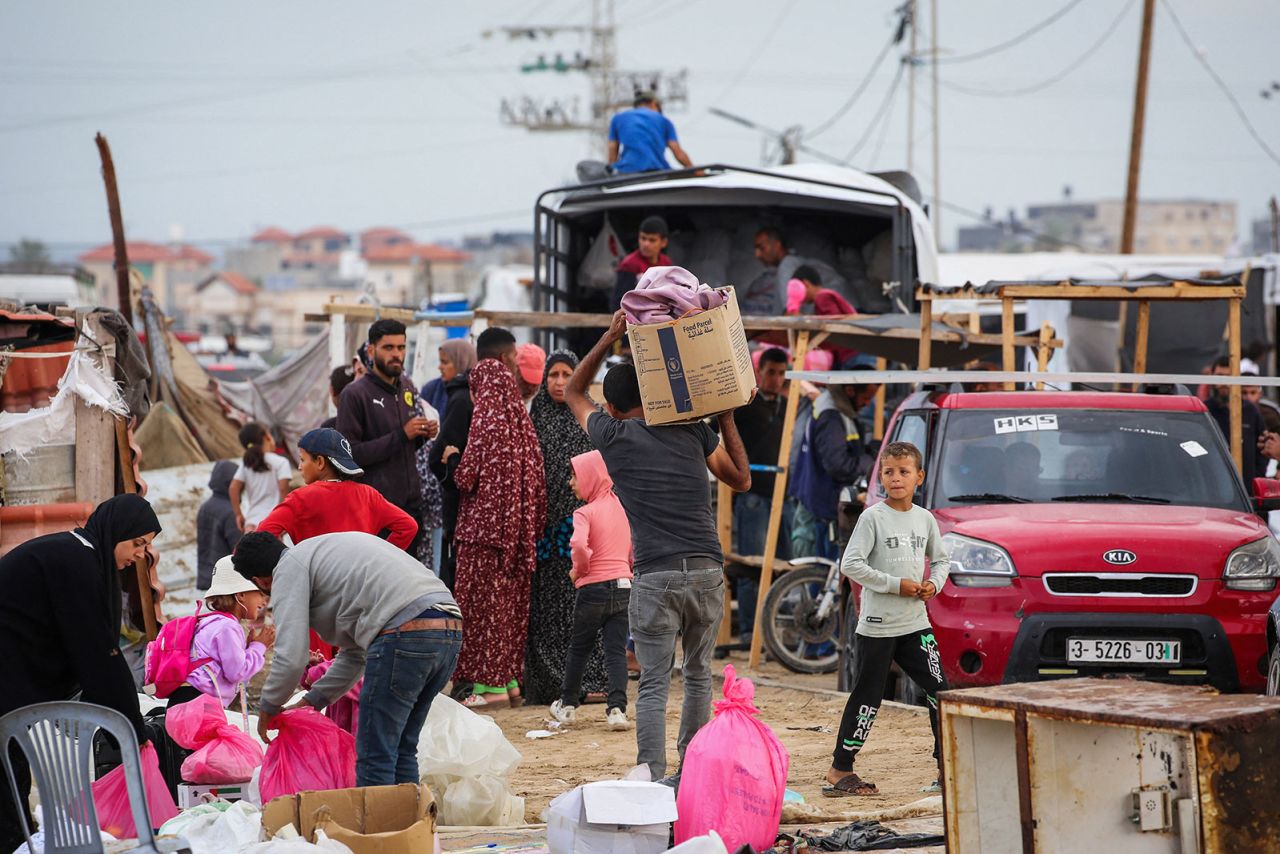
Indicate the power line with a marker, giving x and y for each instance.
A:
(1204, 61)
(1016, 40)
(861, 87)
(754, 56)
(880, 112)
(1049, 81)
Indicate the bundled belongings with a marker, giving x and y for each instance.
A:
(310, 752)
(669, 293)
(689, 347)
(223, 754)
(734, 776)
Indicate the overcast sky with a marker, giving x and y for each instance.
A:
(230, 116)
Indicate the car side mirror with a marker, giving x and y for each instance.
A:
(1266, 494)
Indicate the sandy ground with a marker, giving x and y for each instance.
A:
(897, 756)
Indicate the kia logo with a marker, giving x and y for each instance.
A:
(1119, 557)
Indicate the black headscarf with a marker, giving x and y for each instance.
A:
(114, 521)
(562, 438)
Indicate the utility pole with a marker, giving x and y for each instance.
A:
(1139, 119)
(911, 87)
(1275, 225)
(936, 211)
(610, 88)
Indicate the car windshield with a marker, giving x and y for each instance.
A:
(1084, 455)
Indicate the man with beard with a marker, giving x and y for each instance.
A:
(377, 415)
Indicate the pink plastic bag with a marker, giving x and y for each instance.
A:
(223, 753)
(111, 797)
(309, 753)
(734, 775)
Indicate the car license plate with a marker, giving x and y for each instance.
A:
(1108, 651)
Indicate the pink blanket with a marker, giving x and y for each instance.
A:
(667, 293)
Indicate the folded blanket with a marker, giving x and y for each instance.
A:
(667, 293)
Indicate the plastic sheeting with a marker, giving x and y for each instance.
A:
(21, 432)
(292, 397)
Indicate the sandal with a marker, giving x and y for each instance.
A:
(476, 700)
(850, 785)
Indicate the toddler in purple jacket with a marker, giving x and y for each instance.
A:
(234, 656)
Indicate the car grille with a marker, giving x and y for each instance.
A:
(1118, 584)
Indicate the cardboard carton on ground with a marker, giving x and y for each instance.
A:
(370, 820)
(611, 817)
(693, 367)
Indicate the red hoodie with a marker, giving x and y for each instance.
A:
(601, 543)
(332, 506)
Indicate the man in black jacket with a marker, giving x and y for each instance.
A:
(493, 343)
(376, 414)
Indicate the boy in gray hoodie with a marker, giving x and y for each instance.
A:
(216, 529)
(886, 557)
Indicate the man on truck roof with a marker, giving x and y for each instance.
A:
(639, 138)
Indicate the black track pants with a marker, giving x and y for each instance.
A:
(917, 656)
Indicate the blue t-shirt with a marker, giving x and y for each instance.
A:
(643, 135)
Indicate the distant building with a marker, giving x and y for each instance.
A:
(1164, 227)
(172, 272)
(403, 272)
(226, 302)
(47, 285)
(499, 248)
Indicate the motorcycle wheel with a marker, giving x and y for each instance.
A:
(792, 634)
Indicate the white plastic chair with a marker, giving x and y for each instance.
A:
(57, 739)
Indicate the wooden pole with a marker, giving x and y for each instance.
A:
(878, 429)
(1142, 337)
(123, 291)
(1044, 351)
(1136, 131)
(911, 88)
(724, 527)
(1233, 352)
(1006, 337)
(926, 335)
(779, 498)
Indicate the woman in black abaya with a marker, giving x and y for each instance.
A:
(60, 609)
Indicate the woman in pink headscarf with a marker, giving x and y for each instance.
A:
(501, 514)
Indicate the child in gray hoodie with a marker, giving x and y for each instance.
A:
(886, 557)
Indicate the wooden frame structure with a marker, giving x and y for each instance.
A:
(802, 334)
(1124, 292)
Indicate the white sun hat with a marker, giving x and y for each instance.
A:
(228, 582)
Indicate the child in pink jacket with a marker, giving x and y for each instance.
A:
(601, 552)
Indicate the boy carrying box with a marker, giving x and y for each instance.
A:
(886, 557)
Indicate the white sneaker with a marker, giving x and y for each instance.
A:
(564, 714)
(617, 719)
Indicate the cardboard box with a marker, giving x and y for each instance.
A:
(371, 820)
(191, 794)
(612, 817)
(694, 367)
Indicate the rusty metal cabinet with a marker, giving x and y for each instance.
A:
(1103, 765)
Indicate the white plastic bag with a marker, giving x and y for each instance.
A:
(484, 801)
(464, 758)
(214, 830)
(457, 742)
(297, 845)
(598, 268)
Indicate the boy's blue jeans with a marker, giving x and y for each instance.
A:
(404, 671)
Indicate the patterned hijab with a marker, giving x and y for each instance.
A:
(504, 494)
(561, 439)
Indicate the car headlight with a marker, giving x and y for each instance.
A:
(1254, 566)
(977, 563)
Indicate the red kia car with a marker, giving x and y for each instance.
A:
(1090, 534)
